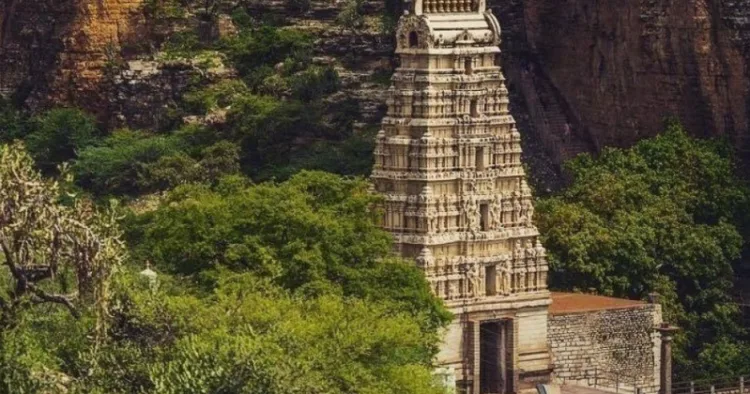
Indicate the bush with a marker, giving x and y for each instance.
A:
(255, 53)
(59, 135)
(120, 164)
(666, 216)
(269, 130)
(352, 15)
(218, 95)
(314, 83)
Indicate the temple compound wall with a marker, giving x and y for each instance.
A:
(605, 341)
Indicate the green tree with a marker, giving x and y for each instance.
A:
(59, 135)
(270, 130)
(666, 216)
(245, 336)
(51, 253)
(352, 15)
(314, 234)
(119, 163)
(273, 342)
(256, 52)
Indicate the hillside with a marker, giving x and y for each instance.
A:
(608, 72)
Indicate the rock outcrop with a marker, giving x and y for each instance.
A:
(57, 51)
(583, 74)
(617, 69)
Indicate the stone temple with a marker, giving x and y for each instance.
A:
(448, 161)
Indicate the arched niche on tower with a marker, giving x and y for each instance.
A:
(413, 33)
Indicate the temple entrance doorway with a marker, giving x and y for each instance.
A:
(494, 355)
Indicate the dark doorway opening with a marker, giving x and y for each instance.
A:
(493, 358)
(413, 40)
(480, 159)
(484, 216)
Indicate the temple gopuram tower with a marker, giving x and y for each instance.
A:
(448, 161)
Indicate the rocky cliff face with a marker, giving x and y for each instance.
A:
(583, 73)
(57, 51)
(618, 68)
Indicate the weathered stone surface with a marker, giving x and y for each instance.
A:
(57, 51)
(620, 67)
(605, 342)
(448, 161)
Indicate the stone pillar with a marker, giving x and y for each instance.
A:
(667, 335)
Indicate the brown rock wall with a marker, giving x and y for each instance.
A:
(56, 51)
(608, 70)
(623, 66)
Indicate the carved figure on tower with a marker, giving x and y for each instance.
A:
(449, 151)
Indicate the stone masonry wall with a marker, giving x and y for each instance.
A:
(607, 343)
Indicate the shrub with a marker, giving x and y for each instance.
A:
(59, 135)
(120, 164)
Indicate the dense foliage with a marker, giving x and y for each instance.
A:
(313, 234)
(272, 279)
(279, 287)
(667, 216)
(245, 336)
(270, 288)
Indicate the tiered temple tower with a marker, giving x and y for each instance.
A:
(448, 160)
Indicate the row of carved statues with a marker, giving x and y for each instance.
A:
(470, 214)
(459, 277)
(489, 106)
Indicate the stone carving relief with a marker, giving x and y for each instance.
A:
(427, 164)
(505, 271)
(471, 213)
(474, 281)
(495, 27)
(496, 212)
(414, 26)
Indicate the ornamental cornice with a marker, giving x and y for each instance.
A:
(466, 236)
(516, 170)
(496, 120)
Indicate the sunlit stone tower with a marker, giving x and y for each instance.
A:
(448, 160)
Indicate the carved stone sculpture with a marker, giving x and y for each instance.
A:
(449, 157)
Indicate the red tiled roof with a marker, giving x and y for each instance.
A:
(564, 303)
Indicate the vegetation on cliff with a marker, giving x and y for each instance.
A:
(668, 216)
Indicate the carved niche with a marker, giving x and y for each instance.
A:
(414, 32)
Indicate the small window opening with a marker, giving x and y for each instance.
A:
(413, 40)
(480, 159)
(468, 66)
(484, 211)
(490, 275)
(474, 107)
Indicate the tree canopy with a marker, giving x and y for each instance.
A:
(667, 216)
(313, 234)
(270, 288)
